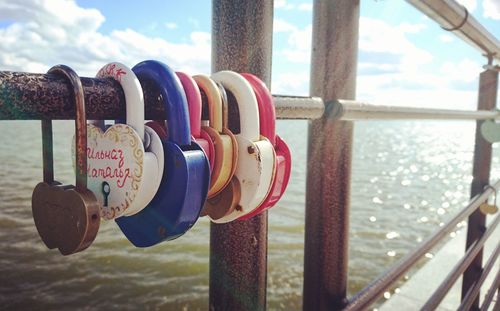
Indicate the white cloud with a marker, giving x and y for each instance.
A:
(306, 7)
(446, 38)
(491, 9)
(280, 25)
(171, 25)
(393, 70)
(378, 37)
(469, 4)
(411, 28)
(291, 83)
(282, 4)
(299, 41)
(49, 32)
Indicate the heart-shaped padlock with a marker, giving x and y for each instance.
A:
(256, 157)
(183, 189)
(66, 217)
(199, 135)
(126, 161)
(267, 117)
(487, 208)
(224, 193)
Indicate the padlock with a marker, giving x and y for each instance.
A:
(199, 135)
(224, 193)
(487, 208)
(283, 167)
(66, 216)
(256, 157)
(127, 158)
(184, 187)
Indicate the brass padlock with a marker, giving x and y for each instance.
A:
(487, 208)
(226, 200)
(66, 217)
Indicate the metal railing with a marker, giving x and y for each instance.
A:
(242, 42)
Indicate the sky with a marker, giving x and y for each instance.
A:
(404, 57)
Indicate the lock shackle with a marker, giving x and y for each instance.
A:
(267, 113)
(173, 97)
(193, 96)
(246, 101)
(80, 129)
(214, 101)
(134, 98)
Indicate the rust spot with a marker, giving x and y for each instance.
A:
(239, 208)
(251, 149)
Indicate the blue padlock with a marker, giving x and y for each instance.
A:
(186, 176)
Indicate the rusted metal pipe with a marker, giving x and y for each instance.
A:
(31, 96)
(241, 41)
(487, 100)
(474, 291)
(333, 75)
(459, 268)
(364, 298)
(452, 16)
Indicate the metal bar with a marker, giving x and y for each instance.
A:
(474, 291)
(333, 75)
(27, 96)
(298, 107)
(451, 15)
(241, 41)
(354, 110)
(487, 99)
(491, 293)
(375, 289)
(459, 269)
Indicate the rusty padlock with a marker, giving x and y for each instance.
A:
(487, 208)
(66, 217)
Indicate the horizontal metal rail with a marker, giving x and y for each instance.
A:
(474, 291)
(459, 268)
(452, 16)
(354, 110)
(491, 293)
(364, 298)
(28, 96)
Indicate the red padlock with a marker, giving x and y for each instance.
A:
(267, 119)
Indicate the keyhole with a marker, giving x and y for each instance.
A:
(105, 191)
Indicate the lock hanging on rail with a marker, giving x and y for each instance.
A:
(66, 216)
(487, 208)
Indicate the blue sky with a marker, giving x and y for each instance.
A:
(404, 57)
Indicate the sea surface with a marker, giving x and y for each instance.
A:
(408, 177)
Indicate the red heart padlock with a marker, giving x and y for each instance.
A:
(267, 118)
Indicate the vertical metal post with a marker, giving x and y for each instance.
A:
(241, 41)
(333, 75)
(487, 97)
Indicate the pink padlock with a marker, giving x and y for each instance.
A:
(193, 96)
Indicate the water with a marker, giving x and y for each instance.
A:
(408, 177)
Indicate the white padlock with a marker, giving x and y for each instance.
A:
(256, 157)
(145, 161)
